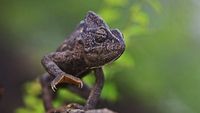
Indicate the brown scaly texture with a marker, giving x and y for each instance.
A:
(92, 45)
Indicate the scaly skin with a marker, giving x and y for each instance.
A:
(92, 45)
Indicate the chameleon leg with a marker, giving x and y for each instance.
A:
(47, 94)
(96, 90)
(84, 92)
(60, 77)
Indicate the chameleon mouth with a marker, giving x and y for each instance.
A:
(119, 51)
(118, 45)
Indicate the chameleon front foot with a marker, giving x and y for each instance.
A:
(69, 79)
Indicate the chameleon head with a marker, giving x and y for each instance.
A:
(101, 44)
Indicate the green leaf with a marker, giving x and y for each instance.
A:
(33, 88)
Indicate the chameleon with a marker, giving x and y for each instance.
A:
(91, 46)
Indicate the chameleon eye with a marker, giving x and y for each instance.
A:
(101, 31)
(100, 35)
(100, 38)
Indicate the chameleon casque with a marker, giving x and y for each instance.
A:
(92, 45)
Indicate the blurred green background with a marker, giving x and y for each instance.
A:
(158, 73)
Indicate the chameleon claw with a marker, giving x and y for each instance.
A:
(66, 79)
(80, 84)
(75, 81)
(53, 87)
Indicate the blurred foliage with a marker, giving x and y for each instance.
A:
(160, 67)
(33, 104)
(137, 22)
